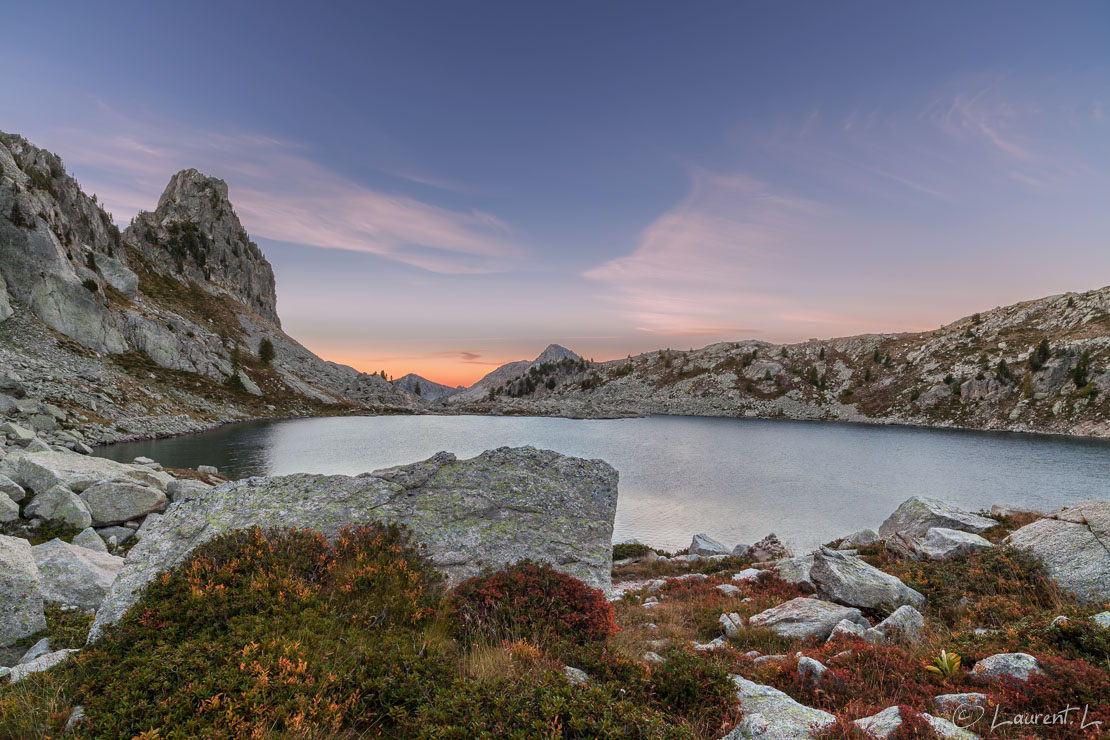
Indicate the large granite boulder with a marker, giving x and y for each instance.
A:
(61, 505)
(1074, 544)
(74, 576)
(850, 581)
(940, 543)
(1007, 666)
(9, 510)
(13, 490)
(21, 612)
(770, 714)
(703, 544)
(491, 510)
(115, 502)
(917, 515)
(803, 617)
(41, 470)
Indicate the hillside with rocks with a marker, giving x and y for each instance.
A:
(166, 327)
(523, 377)
(426, 389)
(1037, 366)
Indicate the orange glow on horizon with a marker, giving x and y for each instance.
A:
(445, 371)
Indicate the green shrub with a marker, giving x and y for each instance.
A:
(266, 351)
(91, 285)
(531, 601)
(626, 550)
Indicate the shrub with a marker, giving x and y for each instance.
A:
(627, 550)
(693, 688)
(91, 285)
(531, 601)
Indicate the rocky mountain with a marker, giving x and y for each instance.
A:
(170, 325)
(424, 388)
(505, 378)
(1035, 366)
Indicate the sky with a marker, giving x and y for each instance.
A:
(443, 187)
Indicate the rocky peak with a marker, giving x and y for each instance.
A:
(554, 353)
(194, 232)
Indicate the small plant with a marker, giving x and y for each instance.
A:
(91, 285)
(266, 351)
(946, 665)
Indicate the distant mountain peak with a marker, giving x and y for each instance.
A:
(554, 353)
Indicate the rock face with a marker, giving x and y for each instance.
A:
(499, 507)
(195, 231)
(20, 592)
(850, 581)
(917, 515)
(1075, 547)
(772, 715)
(74, 576)
(801, 618)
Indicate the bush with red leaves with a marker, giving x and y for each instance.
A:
(532, 601)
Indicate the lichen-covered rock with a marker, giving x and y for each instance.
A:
(13, 490)
(41, 470)
(74, 576)
(185, 488)
(847, 628)
(940, 543)
(118, 501)
(704, 545)
(850, 581)
(955, 705)
(89, 539)
(497, 508)
(904, 624)
(21, 612)
(770, 714)
(41, 663)
(1102, 619)
(61, 505)
(917, 515)
(731, 624)
(9, 510)
(886, 723)
(797, 571)
(1074, 545)
(861, 538)
(803, 617)
(1013, 666)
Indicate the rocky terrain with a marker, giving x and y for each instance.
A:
(166, 327)
(934, 626)
(1036, 366)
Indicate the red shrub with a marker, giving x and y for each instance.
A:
(532, 601)
(1075, 687)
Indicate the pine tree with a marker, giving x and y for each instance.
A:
(266, 351)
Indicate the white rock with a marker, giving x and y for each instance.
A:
(14, 490)
(1102, 619)
(728, 589)
(59, 504)
(1072, 543)
(74, 576)
(21, 612)
(770, 714)
(1016, 666)
(941, 544)
(39, 664)
(851, 581)
(860, 539)
(847, 628)
(9, 510)
(88, 538)
(731, 624)
(575, 675)
(42, 647)
(748, 575)
(886, 723)
(905, 624)
(917, 515)
(803, 617)
(118, 501)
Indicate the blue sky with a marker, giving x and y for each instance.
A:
(444, 186)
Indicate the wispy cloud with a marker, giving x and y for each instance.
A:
(281, 193)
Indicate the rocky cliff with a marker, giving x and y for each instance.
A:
(169, 326)
(1034, 366)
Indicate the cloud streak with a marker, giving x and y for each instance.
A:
(280, 193)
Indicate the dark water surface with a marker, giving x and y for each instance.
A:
(736, 479)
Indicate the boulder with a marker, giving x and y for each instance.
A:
(59, 504)
(770, 714)
(1011, 666)
(848, 628)
(917, 515)
(904, 624)
(16, 433)
(1074, 545)
(731, 624)
(861, 538)
(9, 510)
(956, 705)
(940, 543)
(13, 490)
(208, 469)
(748, 575)
(768, 548)
(40, 648)
(811, 669)
(850, 581)
(1102, 619)
(886, 723)
(741, 550)
(122, 534)
(803, 617)
(41, 470)
(728, 589)
(797, 571)
(149, 523)
(89, 539)
(118, 501)
(74, 576)
(118, 275)
(704, 545)
(21, 612)
(41, 663)
(488, 511)
(185, 488)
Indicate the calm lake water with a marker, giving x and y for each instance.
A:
(736, 479)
